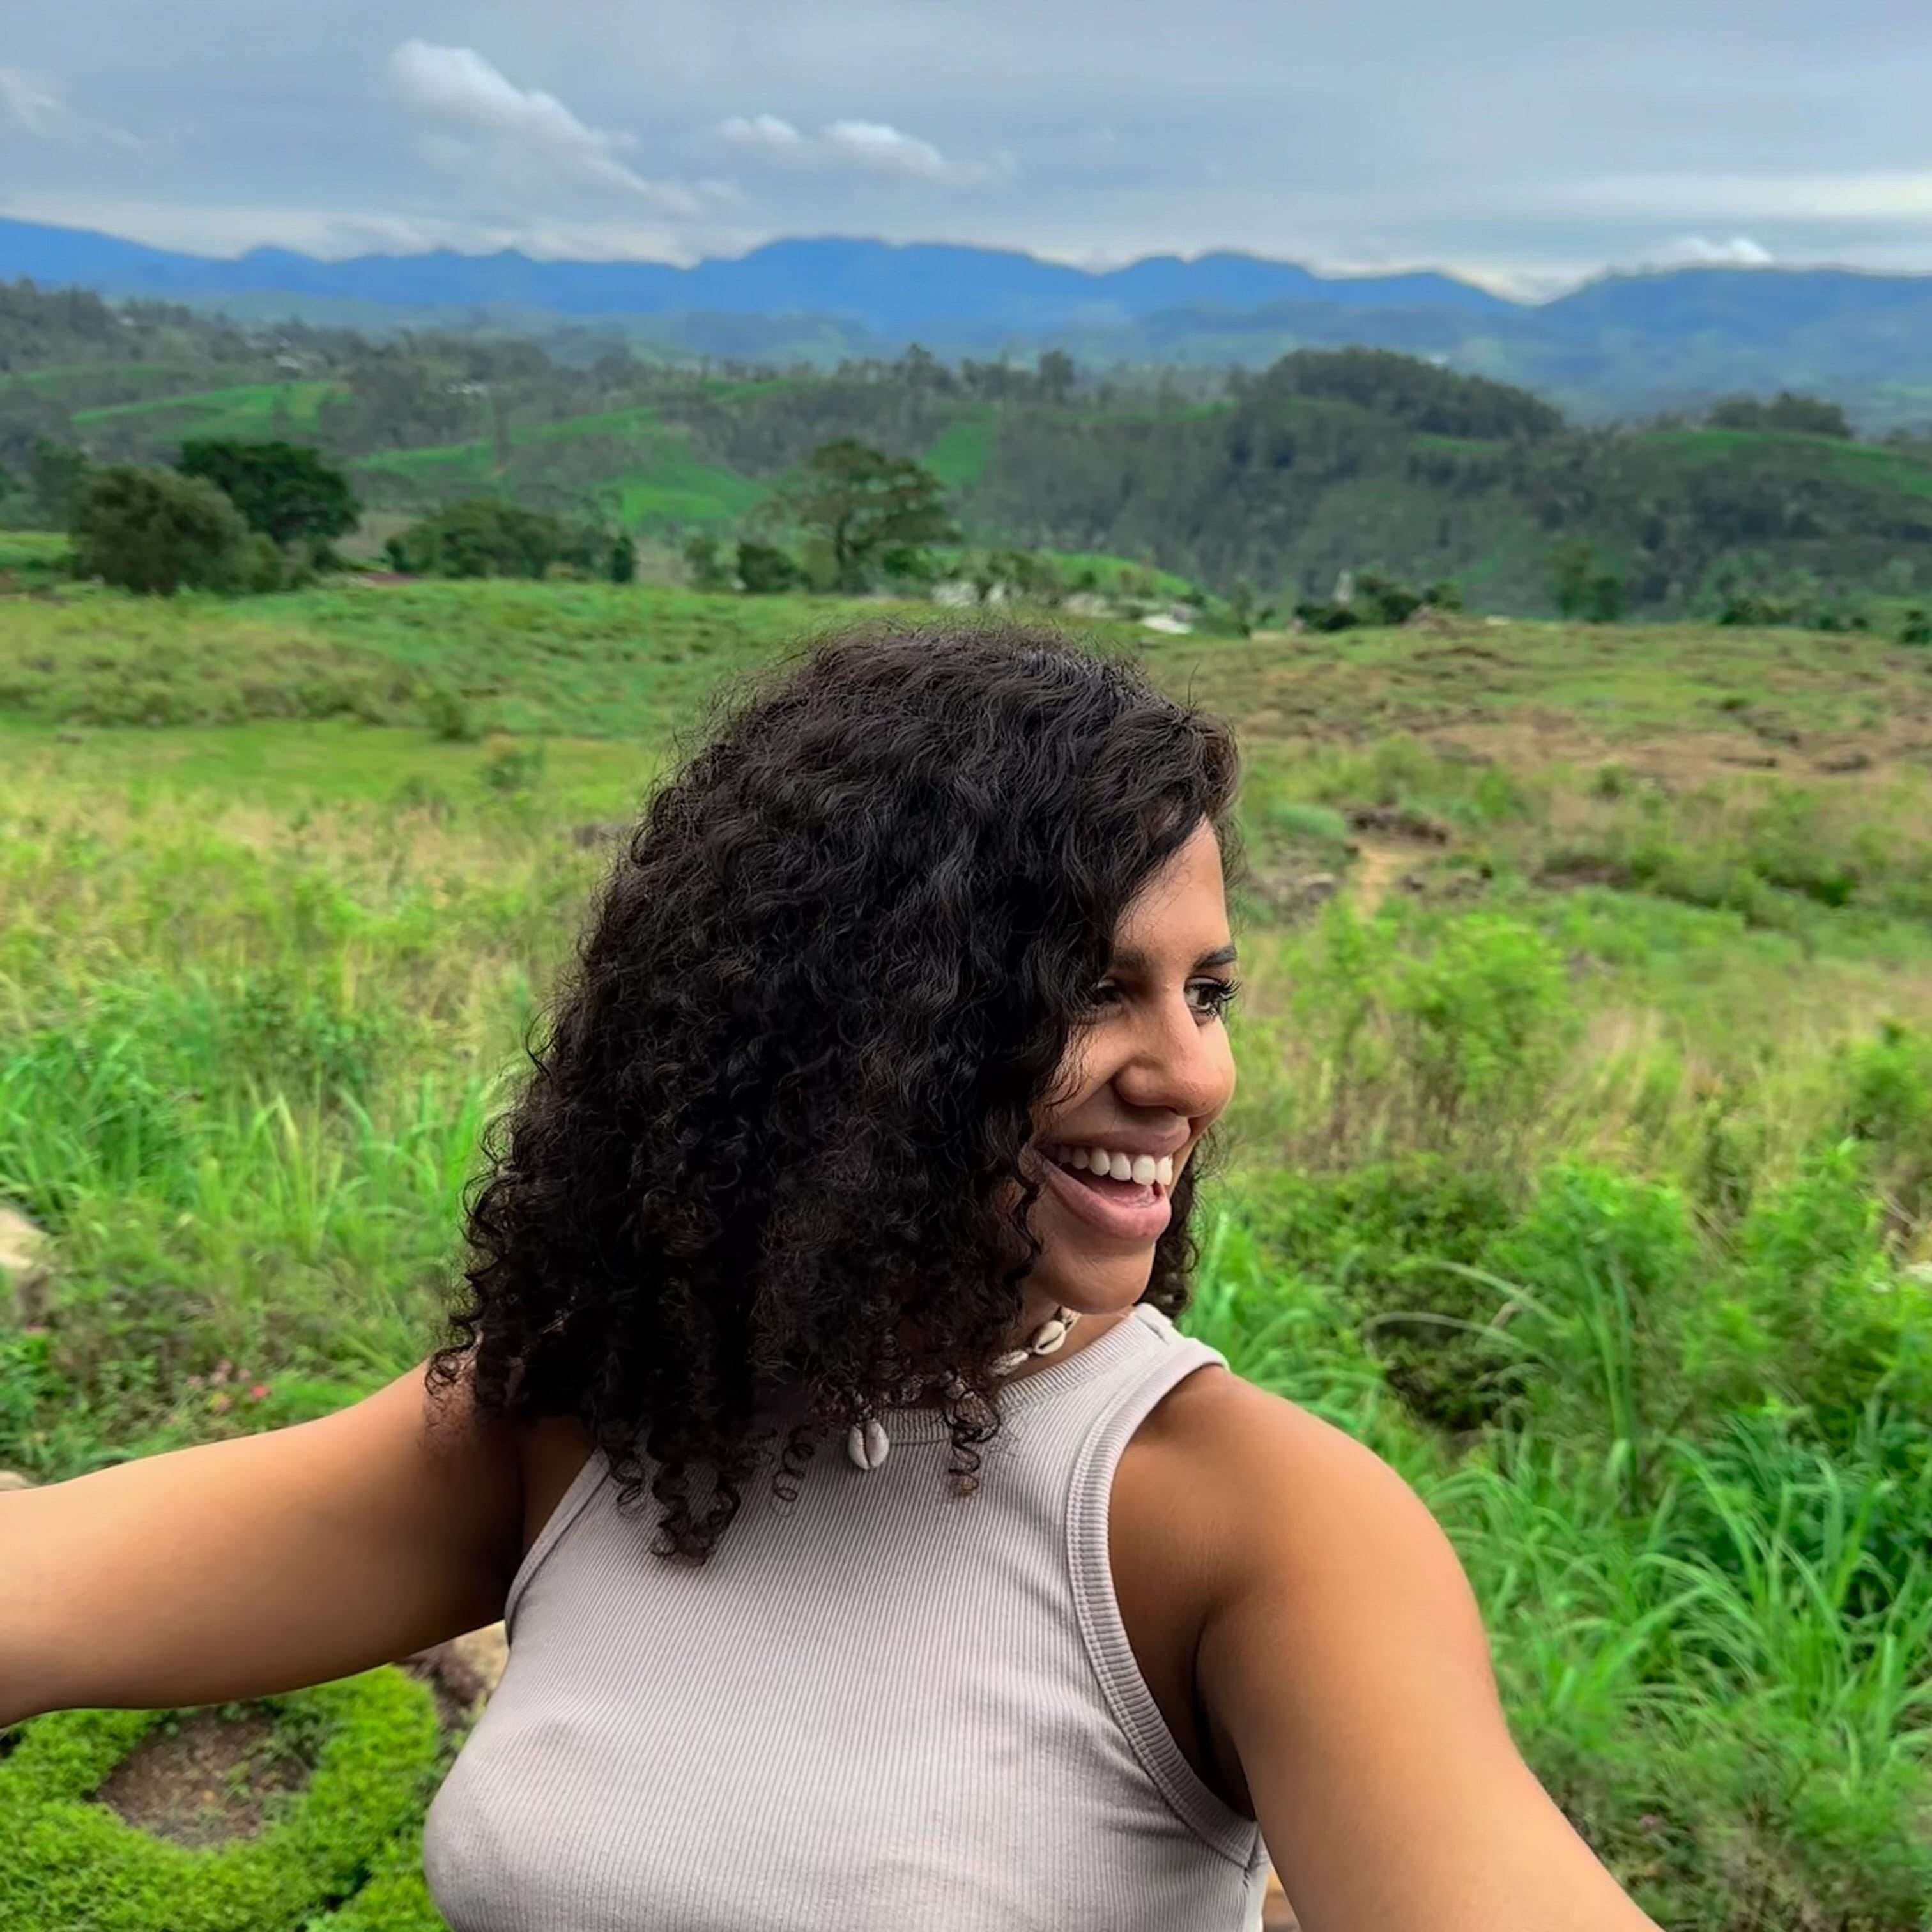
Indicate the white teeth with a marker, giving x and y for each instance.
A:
(1145, 1169)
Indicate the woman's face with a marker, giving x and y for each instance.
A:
(1143, 1081)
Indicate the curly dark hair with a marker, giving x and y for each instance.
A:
(777, 1107)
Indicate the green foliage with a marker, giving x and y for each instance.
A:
(1916, 627)
(74, 1863)
(152, 530)
(861, 501)
(1786, 413)
(1583, 588)
(483, 536)
(623, 560)
(765, 570)
(1415, 393)
(57, 480)
(285, 491)
(703, 564)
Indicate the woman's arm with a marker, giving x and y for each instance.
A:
(1345, 1658)
(274, 1561)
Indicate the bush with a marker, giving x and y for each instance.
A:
(707, 568)
(72, 1862)
(764, 569)
(483, 536)
(623, 561)
(260, 568)
(155, 531)
(1916, 628)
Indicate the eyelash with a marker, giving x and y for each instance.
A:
(1225, 992)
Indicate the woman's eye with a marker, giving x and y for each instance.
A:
(1220, 995)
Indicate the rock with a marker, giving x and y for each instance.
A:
(1318, 887)
(585, 836)
(1167, 625)
(12, 1479)
(468, 1667)
(26, 1262)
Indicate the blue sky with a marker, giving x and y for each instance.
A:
(1525, 143)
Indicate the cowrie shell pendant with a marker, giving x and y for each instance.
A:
(867, 1442)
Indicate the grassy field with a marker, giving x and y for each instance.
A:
(1580, 1162)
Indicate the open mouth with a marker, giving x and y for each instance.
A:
(1098, 1172)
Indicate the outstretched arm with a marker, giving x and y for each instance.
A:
(1346, 1660)
(266, 1564)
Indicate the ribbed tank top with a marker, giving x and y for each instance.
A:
(883, 1708)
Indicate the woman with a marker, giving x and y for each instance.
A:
(870, 1116)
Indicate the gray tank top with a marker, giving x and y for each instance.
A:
(882, 1708)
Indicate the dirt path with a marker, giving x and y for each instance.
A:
(1377, 868)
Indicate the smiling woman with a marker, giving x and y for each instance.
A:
(930, 933)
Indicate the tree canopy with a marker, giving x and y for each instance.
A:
(863, 502)
(284, 490)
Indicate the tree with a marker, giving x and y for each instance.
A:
(1248, 611)
(284, 490)
(861, 501)
(155, 530)
(623, 560)
(764, 569)
(57, 475)
(1804, 415)
(707, 570)
(1057, 376)
(1584, 588)
(483, 536)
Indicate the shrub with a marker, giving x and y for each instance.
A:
(706, 569)
(155, 531)
(623, 561)
(74, 1863)
(764, 569)
(284, 490)
(260, 567)
(1916, 628)
(483, 536)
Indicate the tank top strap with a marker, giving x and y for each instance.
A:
(1090, 1568)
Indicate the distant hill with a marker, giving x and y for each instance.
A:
(1624, 344)
(892, 289)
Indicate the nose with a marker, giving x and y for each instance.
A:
(1167, 1060)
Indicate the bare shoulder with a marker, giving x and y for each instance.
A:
(1342, 1655)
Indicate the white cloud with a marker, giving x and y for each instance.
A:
(28, 102)
(1699, 251)
(457, 86)
(872, 146)
(1854, 196)
(765, 132)
(33, 104)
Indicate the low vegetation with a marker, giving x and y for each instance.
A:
(1579, 1162)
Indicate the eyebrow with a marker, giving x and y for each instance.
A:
(1131, 961)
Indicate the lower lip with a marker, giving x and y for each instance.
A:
(1122, 1220)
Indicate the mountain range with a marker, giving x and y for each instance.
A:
(1647, 340)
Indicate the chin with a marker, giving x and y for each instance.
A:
(1092, 1287)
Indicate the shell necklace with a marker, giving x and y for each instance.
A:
(867, 1443)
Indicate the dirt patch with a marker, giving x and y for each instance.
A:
(1376, 870)
(1573, 871)
(1399, 822)
(207, 1784)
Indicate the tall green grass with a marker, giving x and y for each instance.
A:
(1595, 1196)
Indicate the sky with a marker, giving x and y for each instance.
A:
(1524, 143)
